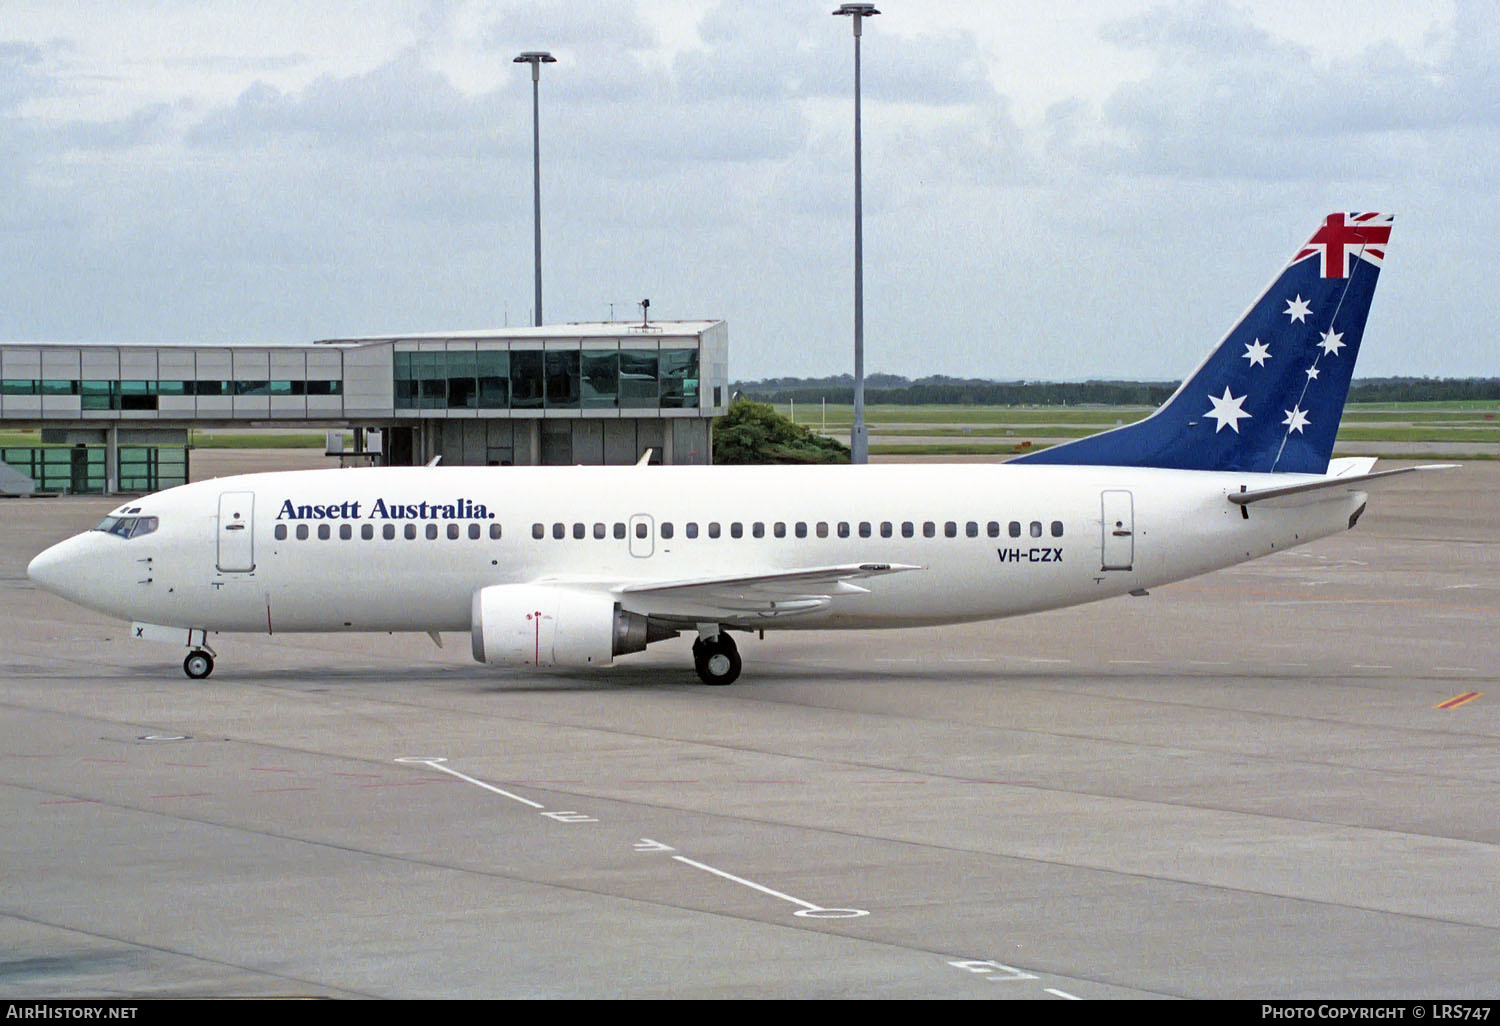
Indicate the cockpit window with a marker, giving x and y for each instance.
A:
(127, 527)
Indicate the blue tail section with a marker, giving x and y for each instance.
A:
(1270, 397)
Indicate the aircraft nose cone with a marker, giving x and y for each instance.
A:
(59, 569)
(43, 569)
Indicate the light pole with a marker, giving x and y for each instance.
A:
(536, 58)
(859, 439)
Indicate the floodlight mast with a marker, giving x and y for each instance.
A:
(536, 58)
(859, 439)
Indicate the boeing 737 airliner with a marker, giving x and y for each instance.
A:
(573, 566)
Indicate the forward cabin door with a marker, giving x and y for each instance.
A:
(1118, 524)
(236, 532)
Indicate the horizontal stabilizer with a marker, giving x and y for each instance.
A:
(1349, 482)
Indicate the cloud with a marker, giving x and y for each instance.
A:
(557, 25)
(22, 75)
(1228, 99)
(701, 155)
(397, 106)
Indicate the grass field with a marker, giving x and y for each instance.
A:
(1393, 430)
(1467, 430)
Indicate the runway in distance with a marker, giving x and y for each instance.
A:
(571, 567)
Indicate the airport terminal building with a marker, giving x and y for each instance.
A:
(119, 417)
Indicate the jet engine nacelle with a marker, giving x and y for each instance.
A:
(553, 625)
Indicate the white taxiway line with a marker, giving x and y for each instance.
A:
(437, 764)
(809, 910)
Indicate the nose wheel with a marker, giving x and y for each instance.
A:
(716, 659)
(198, 664)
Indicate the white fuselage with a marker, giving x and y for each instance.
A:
(309, 550)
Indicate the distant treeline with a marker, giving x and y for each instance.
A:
(942, 390)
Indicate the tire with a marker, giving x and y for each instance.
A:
(198, 665)
(717, 661)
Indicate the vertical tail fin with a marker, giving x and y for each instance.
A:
(1270, 396)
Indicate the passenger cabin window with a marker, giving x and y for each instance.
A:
(538, 531)
(950, 530)
(473, 532)
(908, 529)
(367, 531)
(559, 531)
(600, 531)
(1057, 528)
(411, 532)
(388, 531)
(885, 529)
(993, 529)
(1036, 528)
(280, 532)
(801, 529)
(580, 531)
(666, 529)
(971, 530)
(778, 529)
(620, 531)
(713, 529)
(432, 532)
(736, 530)
(494, 532)
(302, 532)
(323, 532)
(929, 530)
(453, 532)
(346, 531)
(1015, 529)
(690, 529)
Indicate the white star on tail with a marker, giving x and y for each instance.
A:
(1227, 411)
(1332, 342)
(1298, 309)
(1296, 420)
(1257, 353)
(1312, 374)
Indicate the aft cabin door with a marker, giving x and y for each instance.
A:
(1118, 523)
(236, 532)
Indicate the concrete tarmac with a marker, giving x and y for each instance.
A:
(1241, 786)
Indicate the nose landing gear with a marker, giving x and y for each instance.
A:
(199, 663)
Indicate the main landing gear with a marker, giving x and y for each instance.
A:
(716, 658)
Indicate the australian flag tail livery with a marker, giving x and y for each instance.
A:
(1269, 398)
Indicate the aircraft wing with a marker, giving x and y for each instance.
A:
(749, 598)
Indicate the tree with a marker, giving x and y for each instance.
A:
(754, 432)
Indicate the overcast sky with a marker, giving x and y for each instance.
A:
(1058, 191)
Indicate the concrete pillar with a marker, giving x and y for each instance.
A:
(112, 460)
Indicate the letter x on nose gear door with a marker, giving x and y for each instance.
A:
(236, 532)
